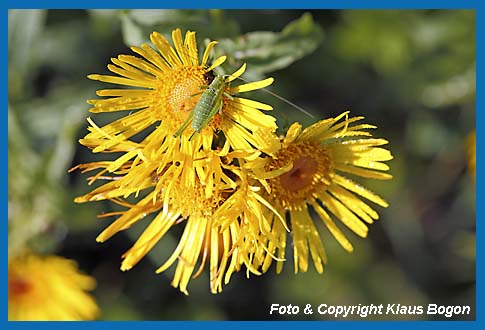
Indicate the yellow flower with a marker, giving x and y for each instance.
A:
(48, 288)
(179, 180)
(167, 87)
(308, 169)
(222, 223)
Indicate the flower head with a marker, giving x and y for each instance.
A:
(181, 180)
(220, 223)
(166, 86)
(48, 288)
(191, 154)
(309, 169)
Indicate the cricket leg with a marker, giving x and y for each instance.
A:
(184, 125)
(193, 135)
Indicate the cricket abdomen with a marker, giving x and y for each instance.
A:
(208, 104)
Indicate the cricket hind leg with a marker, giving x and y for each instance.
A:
(229, 96)
(193, 135)
(184, 125)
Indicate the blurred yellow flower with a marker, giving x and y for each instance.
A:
(307, 170)
(49, 288)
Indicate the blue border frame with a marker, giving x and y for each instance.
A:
(253, 4)
(280, 4)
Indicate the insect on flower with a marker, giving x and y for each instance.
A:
(208, 105)
(211, 100)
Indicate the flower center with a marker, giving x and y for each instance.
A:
(301, 175)
(196, 201)
(184, 94)
(179, 92)
(311, 172)
(17, 286)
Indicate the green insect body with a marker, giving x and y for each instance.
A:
(209, 104)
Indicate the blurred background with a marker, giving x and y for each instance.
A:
(411, 73)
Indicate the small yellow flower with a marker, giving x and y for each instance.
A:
(48, 288)
(308, 169)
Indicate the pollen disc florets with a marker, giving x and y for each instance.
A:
(312, 170)
(180, 92)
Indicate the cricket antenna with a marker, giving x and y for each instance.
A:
(210, 76)
(288, 101)
(281, 98)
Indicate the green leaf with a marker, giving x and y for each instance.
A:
(104, 22)
(24, 28)
(132, 32)
(138, 24)
(150, 17)
(270, 51)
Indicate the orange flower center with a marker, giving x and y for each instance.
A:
(301, 175)
(179, 92)
(17, 286)
(311, 172)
